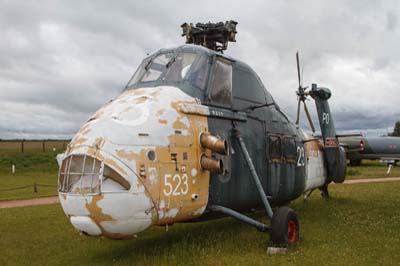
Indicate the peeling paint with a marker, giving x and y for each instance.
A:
(153, 175)
(112, 137)
(160, 112)
(193, 172)
(199, 211)
(171, 213)
(96, 212)
(316, 172)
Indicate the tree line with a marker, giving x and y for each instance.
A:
(396, 130)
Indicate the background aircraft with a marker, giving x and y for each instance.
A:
(359, 148)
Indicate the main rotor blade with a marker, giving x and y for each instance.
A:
(298, 68)
(309, 117)
(298, 112)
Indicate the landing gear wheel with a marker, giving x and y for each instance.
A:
(284, 227)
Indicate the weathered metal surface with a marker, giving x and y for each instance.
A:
(152, 156)
(210, 164)
(122, 134)
(214, 143)
(334, 156)
(316, 171)
(254, 174)
(211, 111)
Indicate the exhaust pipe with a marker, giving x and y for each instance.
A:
(213, 143)
(213, 165)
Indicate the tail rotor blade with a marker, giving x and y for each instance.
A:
(298, 113)
(309, 118)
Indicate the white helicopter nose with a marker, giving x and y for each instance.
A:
(109, 180)
(115, 216)
(100, 202)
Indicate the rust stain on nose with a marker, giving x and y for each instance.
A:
(160, 112)
(129, 155)
(96, 212)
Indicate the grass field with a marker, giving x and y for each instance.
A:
(360, 225)
(41, 168)
(31, 167)
(371, 169)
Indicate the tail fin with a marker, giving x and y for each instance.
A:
(335, 156)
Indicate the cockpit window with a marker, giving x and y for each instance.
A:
(154, 68)
(180, 66)
(221, 83)
(173, 67)
(199, 73)
(139, 72)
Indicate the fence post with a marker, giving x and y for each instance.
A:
(22, 145)
(13, 169)
(35, 187)
(44, 145)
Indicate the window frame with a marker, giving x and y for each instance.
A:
(207, 73)
(289, 156)
(273, 158)
(211, 79)
(65, 174)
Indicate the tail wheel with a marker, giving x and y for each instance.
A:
(284, 227)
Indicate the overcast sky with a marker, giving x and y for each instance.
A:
(62, 60)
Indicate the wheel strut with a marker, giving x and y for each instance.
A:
(256, 179)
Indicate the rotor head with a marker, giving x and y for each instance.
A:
(214, 36)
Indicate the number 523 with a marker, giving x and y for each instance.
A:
(181, 185)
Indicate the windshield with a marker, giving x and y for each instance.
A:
(173, 67)
(156, 67)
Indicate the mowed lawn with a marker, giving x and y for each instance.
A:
(371, 169)
(359, 225)
(31, 167)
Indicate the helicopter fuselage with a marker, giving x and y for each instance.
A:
(149, 157)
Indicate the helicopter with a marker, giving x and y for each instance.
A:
(194, 136)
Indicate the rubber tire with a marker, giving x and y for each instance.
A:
(279, 227)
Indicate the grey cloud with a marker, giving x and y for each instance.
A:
(392, 21)
(62, 60)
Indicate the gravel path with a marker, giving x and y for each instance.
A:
(372, 180)
(28, 202)
(53, 200)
